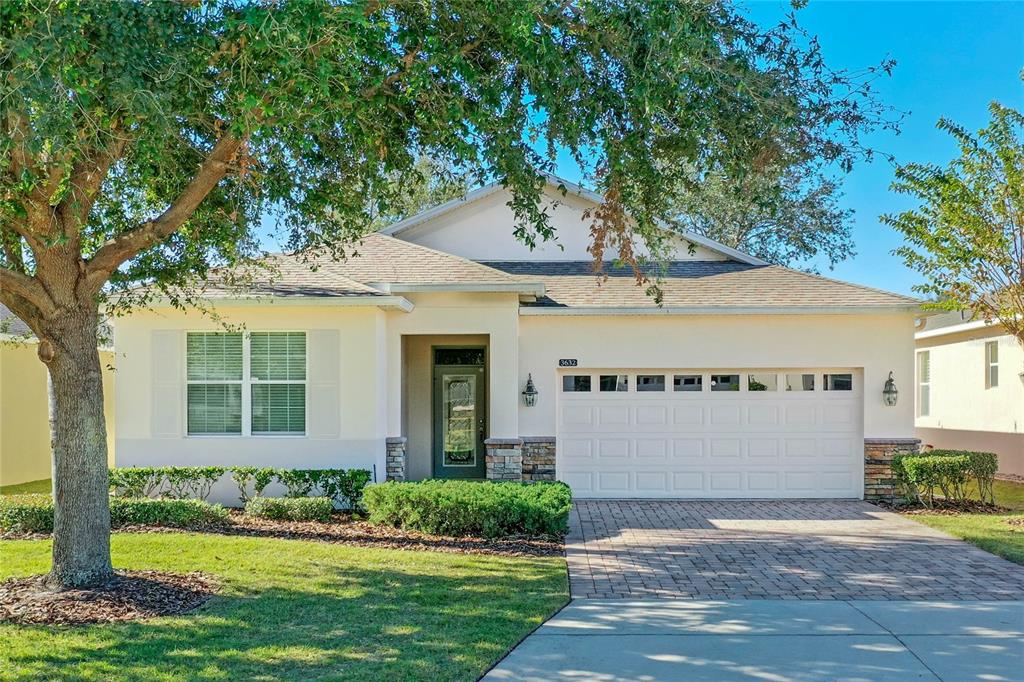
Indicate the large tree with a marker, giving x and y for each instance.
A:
(967, 235)
(143, 141)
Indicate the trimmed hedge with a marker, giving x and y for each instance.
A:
(291, 508)
(175, 483)
(34, 513)
(475, 508)
(947, 472)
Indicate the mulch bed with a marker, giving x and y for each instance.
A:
(944, 508)
(343, 529)
(129, 595)
(1016, 522)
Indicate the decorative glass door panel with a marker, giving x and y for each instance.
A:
(460, 420)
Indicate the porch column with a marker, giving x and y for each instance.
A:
(504, 460)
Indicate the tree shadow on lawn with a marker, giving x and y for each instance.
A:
(378, 625)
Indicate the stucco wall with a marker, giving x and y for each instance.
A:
(959, 398)
(483, 230)
(1009, 447)
(875, 343)
(24, 413)
(345, 391)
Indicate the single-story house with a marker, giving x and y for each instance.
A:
(444, 347)
(970, 388)
(25, 453)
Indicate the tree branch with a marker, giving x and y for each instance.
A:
(116, 251)
(27, 288)
(86, 178)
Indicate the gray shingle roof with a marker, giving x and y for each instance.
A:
(695, 284)
(948, 319)
(11, 323)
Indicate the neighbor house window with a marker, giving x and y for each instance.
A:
(650, 382)
(762, 382)
(220, 393)
(924, 381)
(576, 383)
(838, 382)
(725, 382)
(991, 364)
(688, 382)
(613, 383)
(799, 382)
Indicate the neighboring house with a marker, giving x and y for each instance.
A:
(24, 404)
(412, 359)
(970, 388)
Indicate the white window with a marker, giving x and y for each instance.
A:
(762, 382)
(576, 383)
(924, 383)
(799, 382)
(838, 382)
(246, 384)
(991, 364)
(650, 382)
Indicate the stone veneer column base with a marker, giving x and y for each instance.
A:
(504, 459)
(538, 458)
(879, 482)
(396, 459)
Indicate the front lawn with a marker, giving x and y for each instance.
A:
(991, 532)
(296, 610)
(43, 486)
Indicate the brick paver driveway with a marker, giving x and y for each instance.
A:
(773, 550)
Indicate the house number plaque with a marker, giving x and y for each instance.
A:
(568, 362)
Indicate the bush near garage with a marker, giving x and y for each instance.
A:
(34, 513)
(947, 473)
(291, 508)
(471, 508)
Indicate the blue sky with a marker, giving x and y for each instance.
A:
(953, 58)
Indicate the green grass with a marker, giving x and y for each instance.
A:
(42, 486)
(988, 531)
(296, 610)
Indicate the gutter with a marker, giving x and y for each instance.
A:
(956, 329)
(717, 310)
(386, 302)
(524, 288)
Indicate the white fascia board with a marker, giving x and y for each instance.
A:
(386, 302)
(719, 310)
(524, 288)
(955, 329)
(447, 207)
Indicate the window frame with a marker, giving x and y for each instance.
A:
(991, 365)
(247, 382)
(924, 385)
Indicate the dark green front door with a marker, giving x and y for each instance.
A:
(460, 417)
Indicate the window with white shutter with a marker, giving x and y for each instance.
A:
(278, 382)
(214, 362)
(924, 383)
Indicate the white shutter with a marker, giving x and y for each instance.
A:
(168, 375)
(324, 408)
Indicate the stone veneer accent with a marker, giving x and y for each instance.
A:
(879, 482)
(504, 460)
(539, 458)
(396, 459)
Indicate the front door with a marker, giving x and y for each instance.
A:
(460, 417)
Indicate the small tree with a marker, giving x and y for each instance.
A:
(142, 142)
(967, 236)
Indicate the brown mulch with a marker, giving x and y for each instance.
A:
(1016, 521)
(945, 508)
(129, 595)
(344, 529)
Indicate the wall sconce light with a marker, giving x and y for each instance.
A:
(530, 392)
(889, 393)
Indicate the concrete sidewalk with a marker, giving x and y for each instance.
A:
(773, 641)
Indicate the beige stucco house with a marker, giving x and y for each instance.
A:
(415, 357)
(970, 388)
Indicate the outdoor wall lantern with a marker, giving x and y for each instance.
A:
(530, 392)
(889, 393)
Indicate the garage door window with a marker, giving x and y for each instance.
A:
(613, 383)
(576, 383)
(762, 382)
(799, 382)
(688, 382)
(650, 382)
(838, 382)
(725, 382)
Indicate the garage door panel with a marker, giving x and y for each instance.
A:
(711, 445)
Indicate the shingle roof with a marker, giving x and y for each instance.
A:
(695, 284)
(948, 319)
(11, 323)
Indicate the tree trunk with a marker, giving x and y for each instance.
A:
(81, 523)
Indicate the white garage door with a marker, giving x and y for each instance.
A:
(699, 434)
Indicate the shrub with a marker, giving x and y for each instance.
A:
(136, 481)
(291, 508)
(345, 486)
(144, 511)
(947, 472)
(298, 482)
(259, 477)
(476, 508)
(34, 513)
(26, 513)
(176, 483)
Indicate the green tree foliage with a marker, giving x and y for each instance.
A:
(967, 235)
(142, 142)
